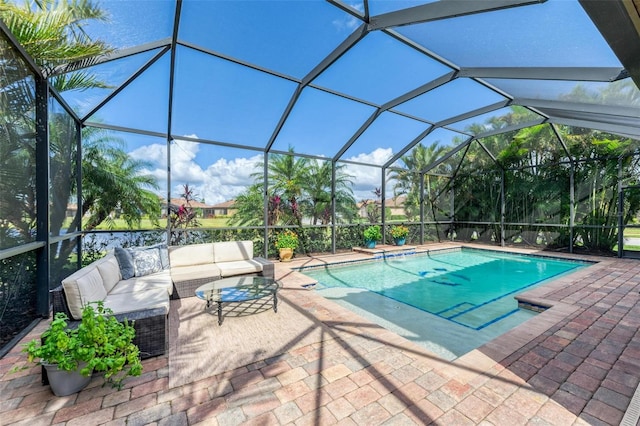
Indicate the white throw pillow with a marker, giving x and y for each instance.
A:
(146, 262)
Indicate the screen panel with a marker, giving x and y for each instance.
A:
(17, 294)
(63, 173)
(287, 37)
(17, 146)
(223, 101)
(124, 180)
(321, 123)
(553, 33)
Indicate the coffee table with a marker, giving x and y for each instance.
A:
(237, 290)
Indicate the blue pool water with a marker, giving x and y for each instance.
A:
(469, 287)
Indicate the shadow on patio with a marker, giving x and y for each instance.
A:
(315, 362)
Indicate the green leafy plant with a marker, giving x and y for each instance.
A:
(399, 231)
(59, 345)
(287, 239)
(372, 233)
(100, 340)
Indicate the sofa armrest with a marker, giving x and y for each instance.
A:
(59, 301)
(268, 267)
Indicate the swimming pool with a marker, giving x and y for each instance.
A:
(470, 289)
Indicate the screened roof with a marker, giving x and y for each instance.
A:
(363, 81)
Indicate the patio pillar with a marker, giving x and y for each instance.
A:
(265, 198)
(383, 194)
(421, 208)
(333, 207)
(503, 207)
(42, 196)
(620, 210)
(572, 204)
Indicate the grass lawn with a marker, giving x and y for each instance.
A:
(120, 224)
(632, 232)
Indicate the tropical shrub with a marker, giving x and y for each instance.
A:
(287, 239)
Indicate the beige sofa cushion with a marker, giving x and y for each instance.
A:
(159, 280)
(193, 254)
(83, 287)
(195, 272)
(131, 302)
(109, 271)
(239, 267)
(229, 251)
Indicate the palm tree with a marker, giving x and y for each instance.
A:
(317, 193)
(52, 32)
(407, 181)
(287, 176)
(113, 180)
(249, 205)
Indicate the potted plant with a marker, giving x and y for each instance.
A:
(286, 242)
(399, 234)
(100, 343)
(371, 235)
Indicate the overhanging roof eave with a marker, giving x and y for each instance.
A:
(607, 74)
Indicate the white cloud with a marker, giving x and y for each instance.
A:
(228, 178)
(224, 179)
(359, 6)
(349, 23)
(221, 181)
(367, 178)
(378, 156)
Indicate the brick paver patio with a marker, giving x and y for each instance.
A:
(577, 363)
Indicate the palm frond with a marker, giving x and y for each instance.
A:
(52, 32)
(80, 80)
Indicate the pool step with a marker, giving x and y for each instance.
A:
(455, 310)
(473, 316)
(384, 250)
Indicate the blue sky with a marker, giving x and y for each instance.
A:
(219, 100)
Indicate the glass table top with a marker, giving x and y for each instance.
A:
(238, 289)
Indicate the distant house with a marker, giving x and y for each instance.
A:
(395, 206)
(202, 210)
(72, 210)
(228, 208)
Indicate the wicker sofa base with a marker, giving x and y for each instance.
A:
(151, 325)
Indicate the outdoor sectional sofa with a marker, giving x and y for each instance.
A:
(137, 283)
